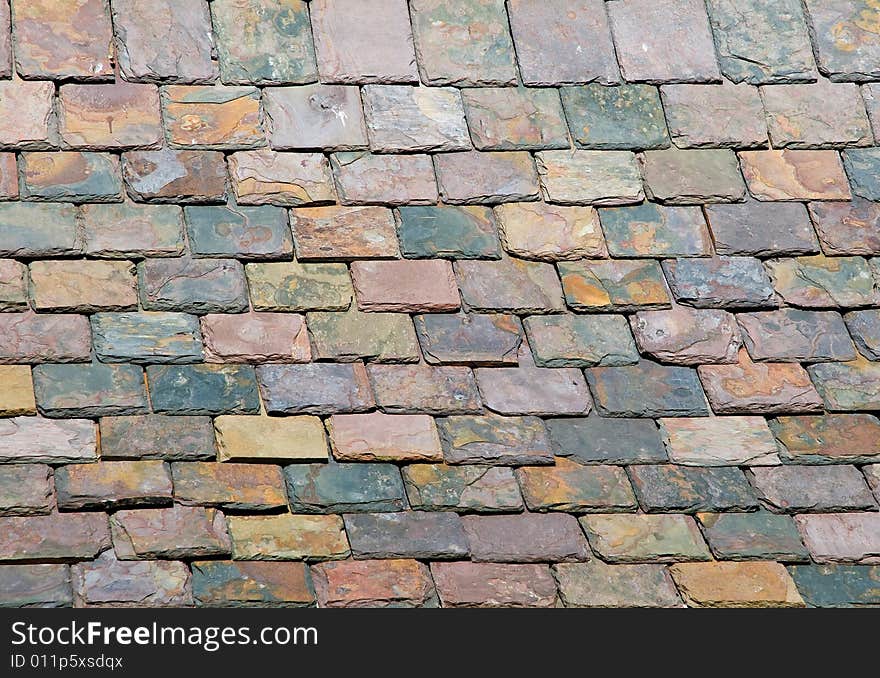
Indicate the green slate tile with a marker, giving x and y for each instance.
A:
(259, 232)
(348, 488)
(203, 389)
(753, 536)
(88, 390)
(467, 232)
(620, 117)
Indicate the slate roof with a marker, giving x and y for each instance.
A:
(368, 302)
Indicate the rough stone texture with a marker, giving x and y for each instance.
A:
(109, 582)
(214, 117)
(620, 117)
(845, 39)
(89, 390)
(760, 44)
(112, 484)
(472, 338)
(36, 586)
(26, 489)
(670, 488)
(226, 583)
(37, 440)
(736, 585)
(666, 41)
(70, 177)
(495, 441)
(559, 42)
(847, 227)
(580, 341)
(13, 285)
(83, 286)
(229, 486)
(344, 488)
(58, 537)
(423, 389)
(265, 177)
(384, 437)
(154, 436)
(505, 119)
(753, 536)
(650, 230)
(178, 532)
(792, 335)
(366, 178)
(724, 115)
(26, 108)
(828, 439)
(164, 41)
(795, 175)
(596, 584)
(685, 336)
(467, 232)
(193, 285)
(168, 175)
(203, 389)
(410, 534)
(374, 583)
(852, 386)
(261, 438)
(38, 230)
(5, 48)
(757, 228)
(862, 168)
(693, 176)
(288, 537)
(514, 285)
(8, 176)
(314, 116)
(16, 391)
(809, 489)
(719, 441)
(343, 233)
(620, 285)
(566, 232)
(29, 337)
(256, 337)
(99, 117)
(264, 42)
(842, 537)
(526, 538)
(438, 487)
(245, 232)
(315, 388)
(130, 230)
(597, 440)
(589, 177)
(824, 282)
(837, 585)
(632, 538)
(494, 585)
(575, 488)
(486, 178)
(405, 286)
(864, 326)
(291, 286)
(647, 390)
(403, 118)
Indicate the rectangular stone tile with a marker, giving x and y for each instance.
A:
(8, 176)
(328, 233)
(115, 484)
(58, 537)
(229, 486)
(567, 232)
(270, 439)
(164, 42)
(30, 337)
(633, 538)
(847, 228)
(226, 583)
(217, 117)
(410, 534)
(560, 42)
(354, 335)
(149, 337)
(344, 488)
(384, 437)
(401, 118)
(719, 441)
(467, 232)
(374, 583)
(527, 538)
(646, 390)
(862, 169)
(439, 487)
(842, 537)
(506, 119)
(169, 533)
(686, 336)
(494, 585)
(845, 44)
(580, 340)
(618, 285)
(35, 585)
(30, 229)
(863, 327)
(762, 228)
(724, 115)
(597, 440)
(760, 44)
(291, 286)
(130, 230)
(848, 386)
(666, 41)
(36, 440)
(824, 282)
(872, 475)
(316, 388)
(375, 179)
(26, 489)
(495, 441)
(450, 52)
(871, 95)
(5, 42)
(792, 335)
(16, 391)
(259, 232)
(155, 436)
(817, 115)
(70, 176)
(795, 175)
(621, 117)
(828, 439)
(837, 585)
(589, 177)
(203, 389)
(514, 285)
(469, 338)
(669, 488)
(83, 286)
(405, 286)
(423, 389)
(262, 42)
(576, 488)
(597, 584)
(192, 285)
(266, 177)
(692, 176)
(753, 536)
(108, 582)
(171, 176)
(758, 388)
(486, 178)
(288, 537)
(90, 390)
(326, 117)
(736, 585)
(26, 107)
(812, 489)
(650, 230)
(102, 117)
(13, 285)
(256, 337)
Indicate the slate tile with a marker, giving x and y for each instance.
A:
(226, 583)
(646, 390)
(13, 285)
(486, 178)
(669, 488)
(514, 285)
(794, 175)
(580, 341)
(405, 285)
(846, 46)
(639, 538)
(619, 117)
(495, 441)
(693, 176)
(837, 585)
(469, 338)
(89, 390)
(719, 441)
(596, 440)
(315, 388)
(255, 337)
(328, 233)
(32, 338)
(83, 285)
(8, 176)
(824, 282)
(291, 286)
(618, 285)
(155, 436)
(148, 337)
(17, 395)
(218, 117)
(115, 484)
(242, 232)
(864, 327)
(203, 389)
(753, 536)
(266, 177)
(270, 439)
(725, 115)
(288, 537)
(410, 534)
(229, 486)
(131, 230)
(812, 489)
(589, 177)
(842, 537)
(368, 179)
(651, 230)
(575, 488)
(192, 285)
(26, 108)
(736, 585)
(494, 585)
(762, 228)
(423, 389)
(56, 537)
(438, 487)
(29, 229)
(353, 335)
(35, 440)
(344, 488)
(101, 117)
(597, 584)
(384, 437)
(467, 232)
(526, 538)
(506, 119)
(686, 336)
(862, 167)
(374, 583)
(172, 176)
(46, 585)
(169, 533)
(70, 176)
(26, 489)
(720, 282)
(828, 438)
(847, 227)
(847, 386)
(314, 117)
(567, 232)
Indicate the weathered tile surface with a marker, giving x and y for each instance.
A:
(795, 175)
(597, 584)
(373, 583)
(760, 535)
(692, 176)
(504, 119)
(567, 232)
(494, 440)
(845, 38)
(736, 585)
(714, 115)
(636, 538)
(98, 117)
(343, 233)
(494, 585)
(719, 441)
(589, 177)
(756, 228)
(265, 177)
(621, 117)
(526, 538)
(314, 116)
(226, 583)
(171, 176)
